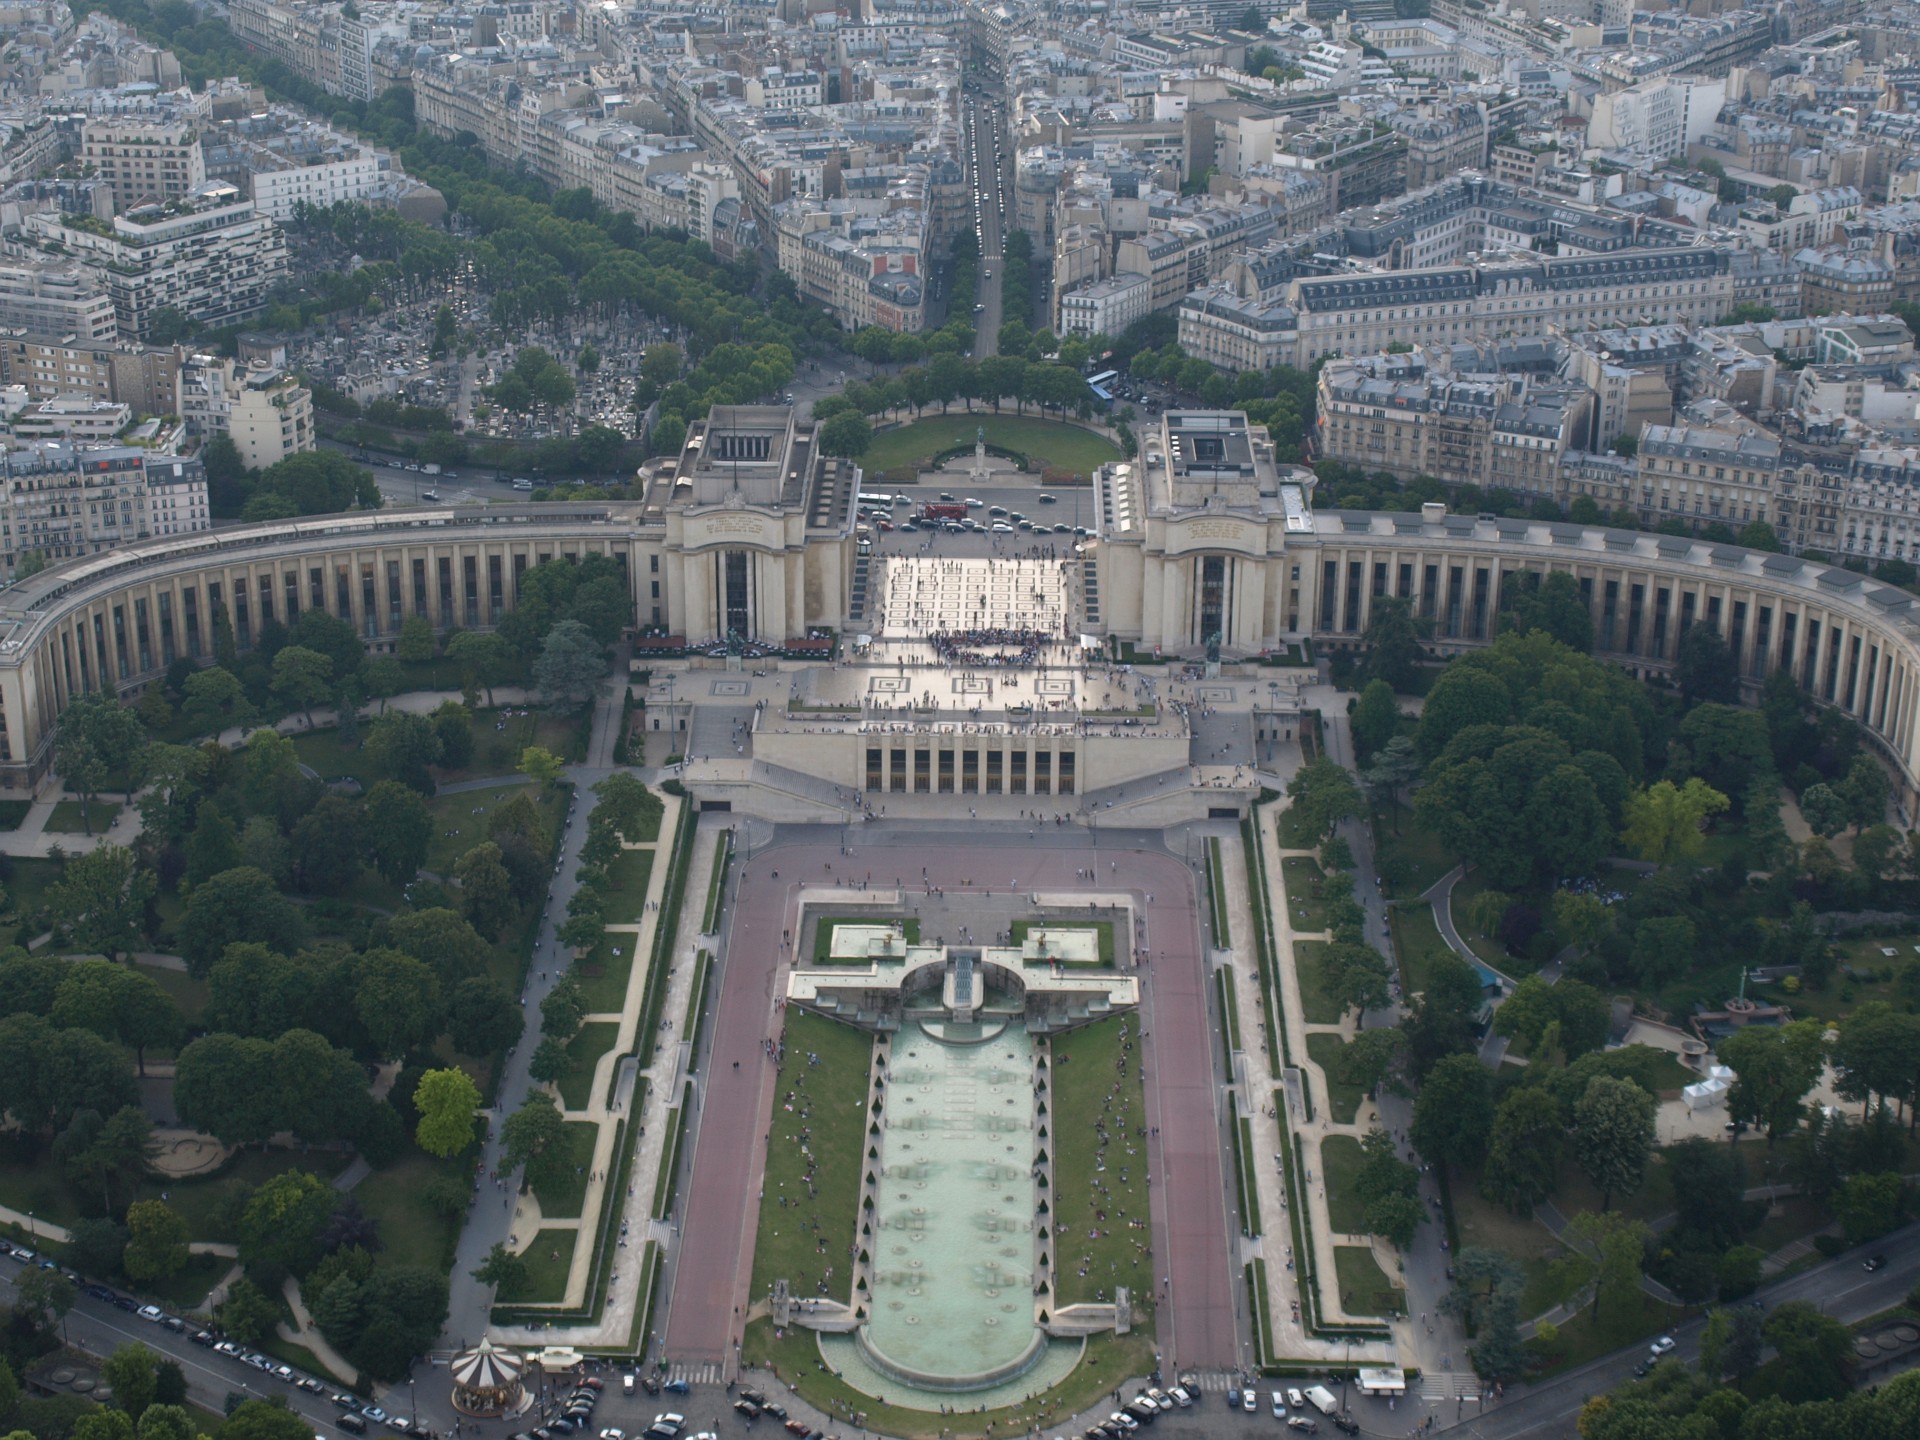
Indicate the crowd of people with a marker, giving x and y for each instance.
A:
(1018, 645)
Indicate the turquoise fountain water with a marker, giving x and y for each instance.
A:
(953, 1235)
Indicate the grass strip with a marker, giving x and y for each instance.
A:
(1265, 945)
(1217, 895)
(1229, 1021)
(1243, 1155)
(697, 1007)
(670, 1158)
(717, 883)
(1261, 1309)
(666, 924)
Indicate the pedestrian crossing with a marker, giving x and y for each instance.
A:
(1442, 1385)
(1213, 1382)
(704, 1374)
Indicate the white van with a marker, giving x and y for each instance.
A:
(1322, 1400)
(523, 484)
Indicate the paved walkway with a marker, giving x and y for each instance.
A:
(1269, 1105)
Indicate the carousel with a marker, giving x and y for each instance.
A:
(487, 1382)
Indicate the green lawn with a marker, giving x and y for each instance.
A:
(13, 813)
(1109, 1361)
(1341, 1158)
(1303, 878)
(1582, 1339)
(323, 752)
(1874, 978)
(1293, 832)
(1410, 860)
(1416, 939)
(460, 820)
(1479, 1222)
(1486, 947)
(27, 883)
(1317, 1006)
(1043, 442)
(549, 1258)
(604, 975)
(824, 928)
(499, 738)
(66, 818)
(627, 886)
(410, 1229)
(1102, 928)
(1343, 1100)
(1364, 1286)
(830, 1100)
(589, 1043)
(564, 1199)
(188, 993)
(1083, 1081)
(188, 1290)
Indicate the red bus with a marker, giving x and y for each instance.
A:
(943, 510)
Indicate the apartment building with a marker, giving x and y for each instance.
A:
(1105, 307)
(144, 158)
(58, 299)
(63, 501)
(210, 255)
(266, 412)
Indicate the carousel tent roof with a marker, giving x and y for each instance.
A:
(485, 1368)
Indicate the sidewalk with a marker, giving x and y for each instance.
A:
(1273, 1103)
(604, 1107)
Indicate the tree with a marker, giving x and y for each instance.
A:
(283, 1220)
(1552, 604)
(1367, 1060)
(1709, 1188)
(1706, 668)
(45, 1294)
(447, 1101)
(1814, 1358)
(483, 658)
(1774, 1068)
(1730, 1343)
(247, 1314)
(399, 830)
(1444, 1018)
(165, 1419)
(156, 1241)
(415, 645)
(534, 1136)
(1663, 948)
(102, 899)
(1453, 1113)
(1523, 1153)
(398, 1001)
(329, 845)
(570, 666)
(265, 1419)
(486, 890)
(405, 745)
(1871, 1205)
(453, 726)
(101, 1152)
(1388, 1190)
(541, 765)
(323, 1092)
(1865, 792)
(1663, 821)
(236, 905)
(119, 1004)
(846, 435)
(1825, 810)
(1324, 793)
(503, 1270)
(1395, 766)
(215, 699)
(129, 1373)
(483, 1018)
(1391, 645)
(225, 1085)
(213, 846)
(1375, 717)
(1609, 1248)
(302, 678)
(1613, 1134)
